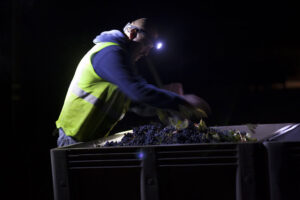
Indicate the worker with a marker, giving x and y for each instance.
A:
(105, 83)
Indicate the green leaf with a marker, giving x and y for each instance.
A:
(163, 116)
(179, 124)
(201, 125)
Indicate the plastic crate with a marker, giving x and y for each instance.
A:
(284, 170)
(192, 171)
(284, 163)
(241, 171)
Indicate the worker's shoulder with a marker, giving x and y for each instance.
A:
(118, 49)
(109, 53)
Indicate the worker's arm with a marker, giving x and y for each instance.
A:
(112, 64)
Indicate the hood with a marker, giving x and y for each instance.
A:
(111, 36)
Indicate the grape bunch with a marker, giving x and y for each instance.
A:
(158, 134)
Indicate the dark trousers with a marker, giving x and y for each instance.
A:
(63, 139)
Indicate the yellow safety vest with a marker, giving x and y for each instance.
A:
(93, 106)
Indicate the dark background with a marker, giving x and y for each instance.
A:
(241, 56)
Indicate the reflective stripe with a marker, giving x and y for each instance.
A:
(93, 100)
(84, 95)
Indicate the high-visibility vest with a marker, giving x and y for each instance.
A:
(93, 106)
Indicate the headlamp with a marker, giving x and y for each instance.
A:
(158, 45)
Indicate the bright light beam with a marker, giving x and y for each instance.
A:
(159, 45)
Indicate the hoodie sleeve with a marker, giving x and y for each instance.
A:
(111, 64)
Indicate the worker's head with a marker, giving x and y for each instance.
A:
(141, 33)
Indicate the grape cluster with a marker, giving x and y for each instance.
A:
(157, 134)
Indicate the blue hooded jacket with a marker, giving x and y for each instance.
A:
(112, 64)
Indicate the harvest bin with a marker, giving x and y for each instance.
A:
(284, 164)
(184, 171)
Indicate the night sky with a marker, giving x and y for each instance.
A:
(238, 55)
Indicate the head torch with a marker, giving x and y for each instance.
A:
(158, 45)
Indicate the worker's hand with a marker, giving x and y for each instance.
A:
(174, 87)
(197, 103)
(185, 112)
